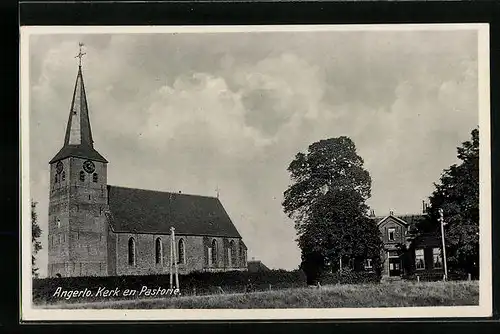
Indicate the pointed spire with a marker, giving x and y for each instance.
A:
(78, 140)
(78, 130)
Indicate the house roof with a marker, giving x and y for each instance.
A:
(409, 220)
(399, 220)
(427, 240)
(147, 211)
(412, 219)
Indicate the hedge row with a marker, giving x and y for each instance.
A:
(198, 283)
(350, 277)
(433, 276)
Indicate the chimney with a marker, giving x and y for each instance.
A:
(423, 206)
(391, 213)
(180, 192)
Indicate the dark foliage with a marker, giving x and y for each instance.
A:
(350, 277)
(36, 232)
(434, 276)
(327, 202)
(457, 193)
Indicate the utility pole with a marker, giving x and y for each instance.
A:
(441, 220)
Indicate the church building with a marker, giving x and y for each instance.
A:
(96, 229)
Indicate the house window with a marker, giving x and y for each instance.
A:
(94, 177)
(82, 176)
(158, 251)
(214, 253)
(368, 264)
(391, 233)
(181, 251)
(58, 221)
(419, 259)
(437, 260)
(131, 251)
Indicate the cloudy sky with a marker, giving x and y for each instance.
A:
(193, 112)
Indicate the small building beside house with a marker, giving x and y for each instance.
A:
(256, 266)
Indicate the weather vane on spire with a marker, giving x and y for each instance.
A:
(80, 54)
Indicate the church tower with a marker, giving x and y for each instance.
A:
(78, 197)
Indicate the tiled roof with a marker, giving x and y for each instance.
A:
(147, 211)
(427, 239)
(410, 219)
(256, 265)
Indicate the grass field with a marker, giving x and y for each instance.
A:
(395, 294)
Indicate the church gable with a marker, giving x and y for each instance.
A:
(146, 211)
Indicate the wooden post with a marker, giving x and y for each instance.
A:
(340, 264)
(418, 278)
(171, 258)
(469, 277)
(175, 258)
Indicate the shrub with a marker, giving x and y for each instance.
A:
(347, 276)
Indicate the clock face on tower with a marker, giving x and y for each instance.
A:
(59, 167)
(88, 166)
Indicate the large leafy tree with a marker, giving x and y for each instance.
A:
(326, 200)
(36, 232)
(457, 194)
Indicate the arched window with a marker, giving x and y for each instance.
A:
(230, 254)
(63, 175)
(131, 251)
(94, 177)
(82, 176)
(214, 253)
(181, 251)
(158, 251)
